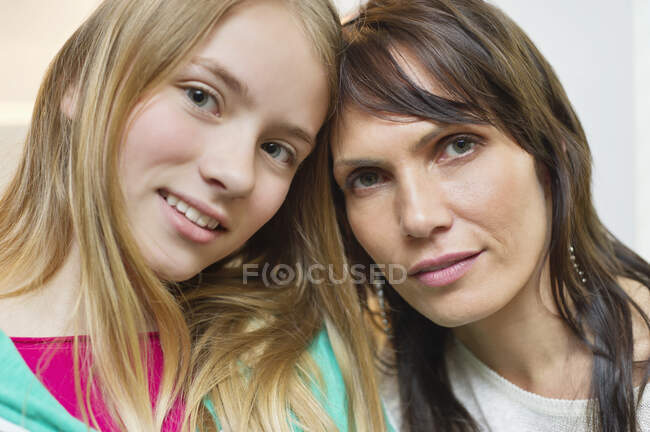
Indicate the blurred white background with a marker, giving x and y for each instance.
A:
(31, 33)
(600, 50)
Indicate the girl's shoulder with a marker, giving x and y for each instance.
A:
(330, 388)
(334, 395)
(25, 403)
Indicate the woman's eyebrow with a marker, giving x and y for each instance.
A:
(427, 138)
(357, 163)
(361, 162)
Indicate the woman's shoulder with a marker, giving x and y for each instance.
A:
(640, 294)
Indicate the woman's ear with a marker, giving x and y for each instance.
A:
(69, 102)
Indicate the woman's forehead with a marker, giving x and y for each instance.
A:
(414, 68)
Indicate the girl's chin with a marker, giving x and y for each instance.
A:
(174, 274)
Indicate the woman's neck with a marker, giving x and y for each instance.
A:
(49, 310)
(529, 344)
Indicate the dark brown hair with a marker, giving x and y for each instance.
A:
(490, 72)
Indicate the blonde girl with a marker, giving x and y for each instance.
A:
(163, 143)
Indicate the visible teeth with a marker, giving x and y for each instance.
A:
(203, 221)
(213, 224)
(182, 206)
(192, 214)
(172, 200)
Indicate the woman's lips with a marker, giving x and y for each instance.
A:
(444, 270)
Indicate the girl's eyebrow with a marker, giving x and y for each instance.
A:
(222, 73)
(297, 132)
(241, 89)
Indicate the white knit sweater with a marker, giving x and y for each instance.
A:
(500, 406)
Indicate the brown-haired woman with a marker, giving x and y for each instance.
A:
(459, 157)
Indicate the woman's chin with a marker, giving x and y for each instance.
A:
(455, 315)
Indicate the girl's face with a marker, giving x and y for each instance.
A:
(209, 158)
(461, 207)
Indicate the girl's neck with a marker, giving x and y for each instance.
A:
(529, 344)
(49, 310)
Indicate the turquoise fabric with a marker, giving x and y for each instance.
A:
(24, 401)
(333, 397)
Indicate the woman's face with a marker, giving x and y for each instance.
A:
(460, 207)
(209, 158)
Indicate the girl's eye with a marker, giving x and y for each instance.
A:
(202, 99)
(459, 146)
(278, 152)
(365, 180)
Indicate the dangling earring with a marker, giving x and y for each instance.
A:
(581, 274)
(379, 285)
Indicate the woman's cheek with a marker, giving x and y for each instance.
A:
(374, 227)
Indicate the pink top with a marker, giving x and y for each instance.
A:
(51, 361)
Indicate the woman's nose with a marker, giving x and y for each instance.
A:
(422, 207)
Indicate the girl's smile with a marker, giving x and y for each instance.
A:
(209, 158)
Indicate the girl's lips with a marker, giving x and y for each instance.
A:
(198, 205)
(442, 274)
(185, 227)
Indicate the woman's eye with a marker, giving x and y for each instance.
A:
(365, 180)
(202, 99)
(459, 146)
(278, 151)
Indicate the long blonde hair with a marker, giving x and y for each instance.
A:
(265, 330)
(251, 339)
(120, 55)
